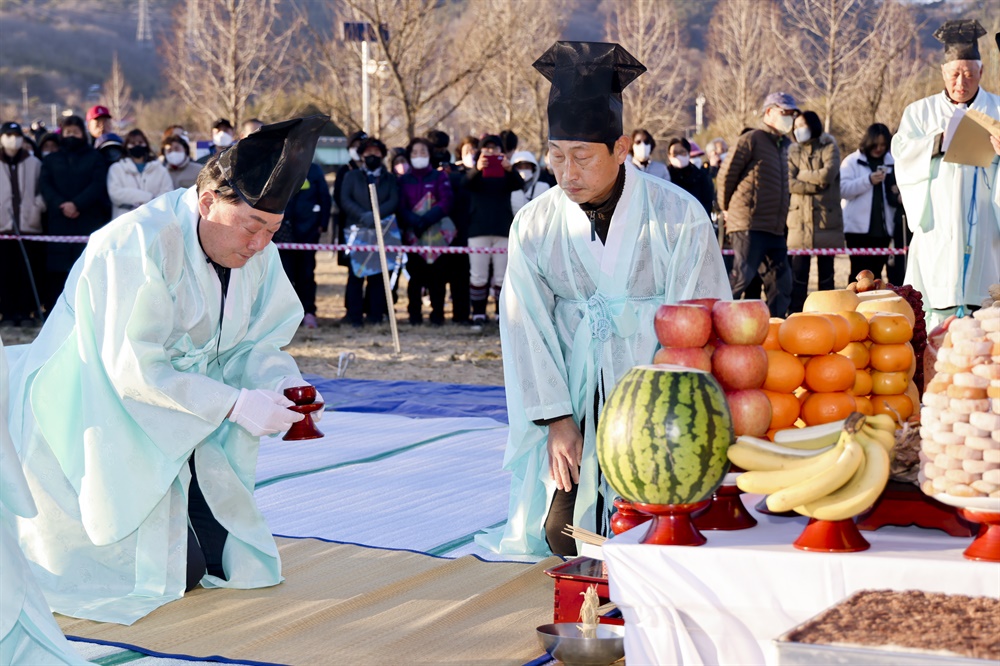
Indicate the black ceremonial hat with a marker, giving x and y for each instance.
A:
(960, 39)
(585, 101)
(267, 167)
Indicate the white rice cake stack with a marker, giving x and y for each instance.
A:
(960, 416)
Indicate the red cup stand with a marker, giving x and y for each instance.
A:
(831, 536)
(303, 397)
(726, 512)
(672, 524)
(986, 547)
(626, 517)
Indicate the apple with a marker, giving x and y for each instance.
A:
(741, 322)
(707, 302)
(689, 357)
(740, 366)
(751, 411)
(683, 325)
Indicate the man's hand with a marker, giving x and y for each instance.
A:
(996, 144)
(506, 163)
(68, 209)
(877, 177)
(482, 162)
(565, 447)
(262, 412)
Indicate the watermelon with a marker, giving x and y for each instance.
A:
(663, 435)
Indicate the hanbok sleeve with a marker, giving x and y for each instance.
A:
(913, 149)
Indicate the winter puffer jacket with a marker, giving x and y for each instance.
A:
(26, 168)
(753, 183)
(129, 189)
(814, 216)
(856, 189)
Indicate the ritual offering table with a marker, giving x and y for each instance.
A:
(571, 581)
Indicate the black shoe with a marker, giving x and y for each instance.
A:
(437, 320)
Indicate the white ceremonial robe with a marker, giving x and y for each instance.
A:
(129, 377)
(28, 632)
(938, 199)
(575, 310)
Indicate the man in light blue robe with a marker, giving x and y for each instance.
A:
(952, 209)
(138, 409)
(589, 263)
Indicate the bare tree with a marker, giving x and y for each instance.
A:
(830, 42)
(230, 51)
(116, 94)
(742, 61)
(660, 100)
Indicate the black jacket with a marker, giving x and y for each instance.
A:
(356, 202)
(696, 182)
(81, 177)
(490, 213)
(308, 211)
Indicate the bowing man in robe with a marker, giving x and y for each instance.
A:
(952, 209)
(137, 411)
(589, 263)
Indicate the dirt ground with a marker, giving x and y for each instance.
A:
(449, 353)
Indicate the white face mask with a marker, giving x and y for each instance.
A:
(679, 161)
(420, 162)
(353, 154)
(802, 134)
(526, 174)
(784, 124)
(175, 158)
(222, 139)
(469, 160)
(641, 151)
(11, 142)
(696, 161)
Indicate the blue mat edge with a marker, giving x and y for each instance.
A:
(168, 655)
(405, 550)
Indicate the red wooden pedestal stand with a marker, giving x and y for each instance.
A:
(831, 536)
(903, 504)
(672, 524)
(571, 580)
(303, 397)
(726, 512)
(986, 547)
(626, 517)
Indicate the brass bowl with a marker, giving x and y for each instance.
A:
(565, 642)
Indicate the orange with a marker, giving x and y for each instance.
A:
(841, 330)
(784, 409)
(829, 373)
(857, 323)
(889, 383)
(770, 434)
(885, 404)
(862, 383)
(784, 372)
(858, 353)
(807, 334)
(887, 328)
(864, 405)
(892, 358)
(826, 407)
(771, 341)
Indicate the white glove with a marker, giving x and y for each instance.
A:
(292, 382)
(262, 412)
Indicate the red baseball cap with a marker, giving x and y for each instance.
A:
(97, 111)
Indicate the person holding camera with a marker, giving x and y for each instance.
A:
(869, 218)
(489, 183)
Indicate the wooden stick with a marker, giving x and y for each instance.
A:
(390, 309)
(583, 535)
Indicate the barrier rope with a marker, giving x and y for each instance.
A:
(422, 249)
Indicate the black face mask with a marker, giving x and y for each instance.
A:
(72, 143)
(138, 152)
(372, 162)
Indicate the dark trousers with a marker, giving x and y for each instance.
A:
(861, 262)
(560, 515)
(455, 269)
(800, 278)
(365, 299)
(55, 282)
(300, 267)
(753, 248)
(895, 267)
(17, 300)
(206, 536)
(431, 277)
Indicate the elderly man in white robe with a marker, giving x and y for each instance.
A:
(952, 209)
(137, 411)
(589, 263)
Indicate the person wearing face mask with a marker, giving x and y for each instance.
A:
(814, 216)
(21, 208)
(753, 196)
(440, 156)
(526, 166)
(425, 199)
(223, 136)
(368, 299)
(47, 144)
(400, 162)
(136, 178)
(354, 162)
(175, 154)
(869, 216)
(685, 175)
(642, 147)
(952, 209)
(74, 185)
(455, 267)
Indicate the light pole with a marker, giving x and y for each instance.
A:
(364, 33)
(365, 94)
(699, 112)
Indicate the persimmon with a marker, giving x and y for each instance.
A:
(862, 383)
(857, 324)
(784, 372)
(863, 405)
(830, 373)
(826, 407)
(771, 341)
(889, 383)
(887, 328)
(858, 353)
(891, 357)
(885, 404)
(810, 335)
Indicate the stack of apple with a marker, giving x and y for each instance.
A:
(724, 338)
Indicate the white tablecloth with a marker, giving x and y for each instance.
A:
(724, 602)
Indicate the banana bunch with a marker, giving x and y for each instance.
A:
(829, 472)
